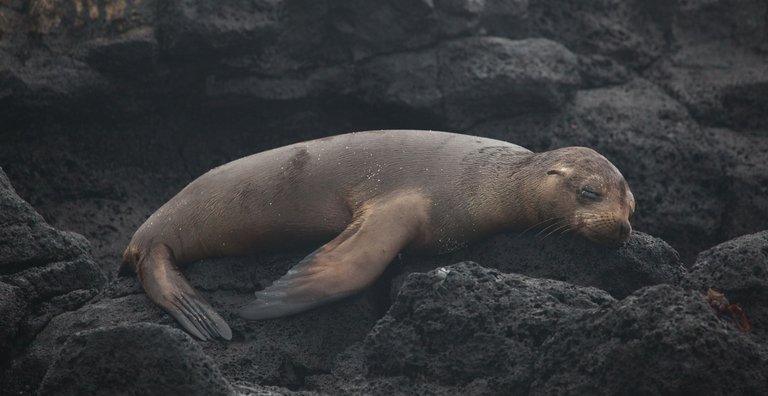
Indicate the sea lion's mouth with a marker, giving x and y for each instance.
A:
(603, 236)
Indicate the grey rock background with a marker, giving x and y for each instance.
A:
(109, 107)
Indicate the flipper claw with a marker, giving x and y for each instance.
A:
(182, 317)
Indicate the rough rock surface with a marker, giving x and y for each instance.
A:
(478, 331)
(109, 107)
(738, 268)
(660, 340)
(43, 273)
(135, 359)
(27, 240)
(465, 81)
(746, 187)
(279, 352)
(642, 261)
(473, 325)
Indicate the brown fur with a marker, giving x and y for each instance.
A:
(378, 192)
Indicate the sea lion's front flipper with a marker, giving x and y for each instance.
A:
(168, 288)
(350, 262)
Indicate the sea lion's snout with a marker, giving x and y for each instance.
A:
(604, 230)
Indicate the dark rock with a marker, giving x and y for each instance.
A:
(505, 18)
(278, 352)
(641, 261)
(660, 340)
(371, 27)
(599, 71)
(13, 310)
(631, 32)
(28, 368)
(721, 85)
(248, 389)
(124, 55)
(719, 69)
(465, 81)
(736, 21)
(670, 163)
(477, 331)
(473, 325)
(269, 38)
(738, 268)
(746, 189)
(43, 272)
(137, 359)
(328, 81)
(53, 289)
(25, 239)
(478, 75)
(368, 28)
(408, 80)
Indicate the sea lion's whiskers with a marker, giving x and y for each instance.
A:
(543, 234)
(539, 224)
(562, 227)
(547, 228)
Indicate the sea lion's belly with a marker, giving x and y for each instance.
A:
(262, 220)
(308, 192)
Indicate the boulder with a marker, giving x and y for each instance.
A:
(659, 340)
(465, 81)
(745, 159)
(473, 325)
(135, 359)
(740, 22)
(270, 353)
(721, 85)
(634, 33)
(739, 269)
(26, 240)
(370, 28)
(642, 261)
(43, 273)
(465, 329)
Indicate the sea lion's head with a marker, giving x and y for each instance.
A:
(589, 194)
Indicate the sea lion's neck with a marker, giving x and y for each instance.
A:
(521, 191)
(507, 191)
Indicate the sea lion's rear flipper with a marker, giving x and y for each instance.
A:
(168, 288)
(348, 263)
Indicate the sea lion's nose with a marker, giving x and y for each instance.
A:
(624, 230)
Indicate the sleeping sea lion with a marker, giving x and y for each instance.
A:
(373, 194)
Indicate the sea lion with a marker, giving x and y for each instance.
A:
(377, 192)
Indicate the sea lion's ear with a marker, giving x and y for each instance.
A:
(562, 171)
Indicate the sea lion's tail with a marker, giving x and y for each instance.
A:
(167, 287)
